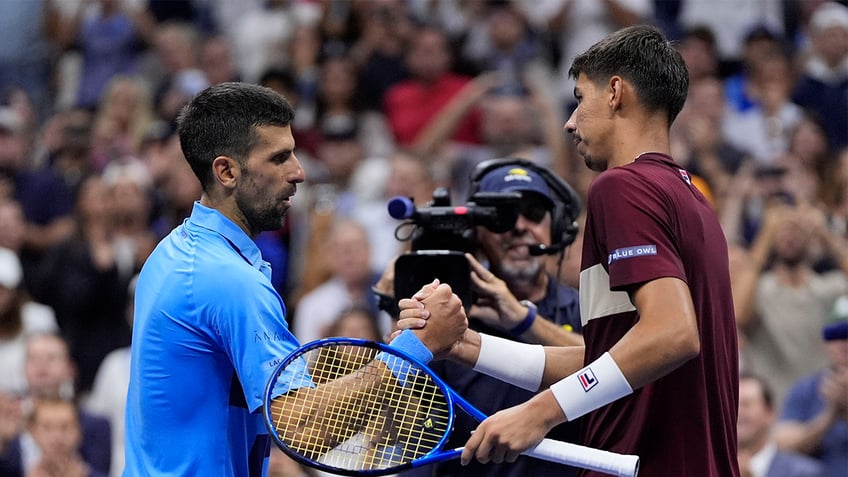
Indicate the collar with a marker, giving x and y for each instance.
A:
(817, 69)
(655, 156)
(761, 461)
(213, 220)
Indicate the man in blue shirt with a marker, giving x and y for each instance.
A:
(209, 326)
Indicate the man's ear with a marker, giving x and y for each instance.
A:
(615, 91)
(226, 171)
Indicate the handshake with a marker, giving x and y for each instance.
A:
(445, 331)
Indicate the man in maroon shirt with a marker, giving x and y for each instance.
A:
(658, 376)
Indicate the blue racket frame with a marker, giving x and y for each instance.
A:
(437, 454)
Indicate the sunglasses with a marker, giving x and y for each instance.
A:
(533, 208)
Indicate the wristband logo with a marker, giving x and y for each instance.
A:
(587, 379)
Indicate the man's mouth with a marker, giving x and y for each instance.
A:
(519, 250)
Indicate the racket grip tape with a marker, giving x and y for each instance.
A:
(620, 465)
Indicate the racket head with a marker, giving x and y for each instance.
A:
(382, 431)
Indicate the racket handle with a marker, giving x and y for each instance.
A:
(621, 465)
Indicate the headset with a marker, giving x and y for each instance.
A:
(566, 208)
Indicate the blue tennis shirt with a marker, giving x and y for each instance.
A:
(209, 330)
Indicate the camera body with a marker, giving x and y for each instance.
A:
(442, 234)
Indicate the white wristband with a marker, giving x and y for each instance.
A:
(519, 364)
(594, 386)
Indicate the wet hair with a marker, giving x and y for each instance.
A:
(222, 120)
(643, 56)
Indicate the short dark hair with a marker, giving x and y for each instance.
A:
(702, 33)
(767, 396)
(642, 55)
(222, 120)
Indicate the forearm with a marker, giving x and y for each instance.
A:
(744, 278)
(528, 366)
(301, 415)
(548, 333)
(42, 237)
(522, 320)
(443, 125)
(805, 437)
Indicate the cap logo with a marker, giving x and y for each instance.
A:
(517, 175)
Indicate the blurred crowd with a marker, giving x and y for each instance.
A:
(393, 97)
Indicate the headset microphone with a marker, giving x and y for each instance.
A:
(540, 249)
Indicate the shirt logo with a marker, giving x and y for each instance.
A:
(685, 176)
(630, 252)
(587, 379)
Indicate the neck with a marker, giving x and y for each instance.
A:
(752, 447)
(793, 275)
(648, 133)
(229, 211)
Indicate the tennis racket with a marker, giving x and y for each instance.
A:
(357, 407)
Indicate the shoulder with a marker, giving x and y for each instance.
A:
(637, 183)
(633, 173)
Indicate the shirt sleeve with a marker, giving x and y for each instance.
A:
(257, 339)
(634, 228)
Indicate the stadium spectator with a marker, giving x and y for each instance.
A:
(411, 104)
(347, 256)
(814, 419)
(698, 49)
(784, 302)
(336, 99)
(378, 51)
(408, 176)
(697, 137)
(763, 130)
(50, 374)
(43, 196)
(84, 279)
(109, 35)
(758, 453)
(823, 84)
(20, 318)
(32, 31)
(55, 428)
(577, 24)
(123, 118)
(177, 55)
(217, 61)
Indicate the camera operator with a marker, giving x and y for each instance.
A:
(516, 280)
(515, 297)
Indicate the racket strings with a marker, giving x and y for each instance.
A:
(355, 424)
